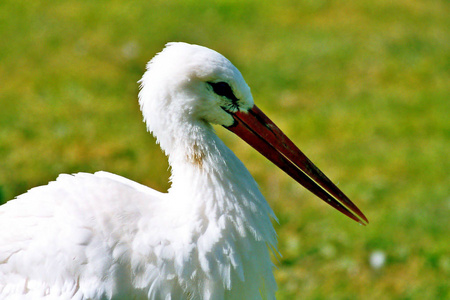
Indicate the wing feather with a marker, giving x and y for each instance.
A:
(67, 238)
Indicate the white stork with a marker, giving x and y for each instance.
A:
(102, 236)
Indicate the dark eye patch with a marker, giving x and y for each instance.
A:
(222, 88)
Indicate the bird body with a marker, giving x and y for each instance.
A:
(102, 236)
(97, 236)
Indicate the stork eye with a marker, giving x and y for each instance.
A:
(223, 89)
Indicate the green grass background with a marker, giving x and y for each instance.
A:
(361, 86)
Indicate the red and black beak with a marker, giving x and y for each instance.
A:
(261, 133)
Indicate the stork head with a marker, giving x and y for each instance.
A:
(187, 87)
(194, 84)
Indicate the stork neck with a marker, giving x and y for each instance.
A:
(215, 188)
(191, 144)
(200, 156)
(204, 170)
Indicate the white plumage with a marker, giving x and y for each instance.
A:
(102, 236)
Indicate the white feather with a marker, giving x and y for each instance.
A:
(102, 236)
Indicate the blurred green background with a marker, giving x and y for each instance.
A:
(362, 87)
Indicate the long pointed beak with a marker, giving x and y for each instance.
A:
(261, 133)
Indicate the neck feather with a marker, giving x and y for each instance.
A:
(209, 178)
